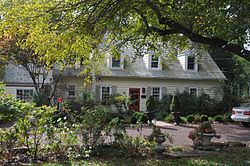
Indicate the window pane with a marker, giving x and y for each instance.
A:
(154, 61)
(193, 91)
(156, 93)
(191, 63)
(116, 62)
(105, 92)
(72, 89)
(24, 94)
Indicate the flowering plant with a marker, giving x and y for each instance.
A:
(203, 128)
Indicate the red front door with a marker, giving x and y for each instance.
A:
(134, 94)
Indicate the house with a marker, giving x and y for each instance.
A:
(19, 83)
(193, 71)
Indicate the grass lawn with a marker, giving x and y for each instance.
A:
(232, 157)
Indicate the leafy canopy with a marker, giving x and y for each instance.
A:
(69, 31)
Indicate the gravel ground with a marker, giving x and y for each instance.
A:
(228, 132)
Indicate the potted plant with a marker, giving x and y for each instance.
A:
(203, 134)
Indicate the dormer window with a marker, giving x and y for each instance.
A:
(155, 62)
(116, 63)
(191, 63)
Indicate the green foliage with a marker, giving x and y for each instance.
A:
(135, 147)
(175, 104)
(11, 109)
(33, 126)
(190, 118)
(204, 118)
(139, 117)
(169, 118)
(218, 118)
(197, 118)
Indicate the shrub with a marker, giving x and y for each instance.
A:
(12, 109)
(150, 105)
(169, 118)
(190, 118)
(197, 118)
(138, 117)
(183, 119)
(227, 117)
(204, 118)
(218, 118)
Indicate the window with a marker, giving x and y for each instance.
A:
(116, 63)
(155, 62)
(191, 63)
(193, 91)
(156, 93)
(25, 94)
(105, 92)
(72, 91)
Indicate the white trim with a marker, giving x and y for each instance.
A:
(160, 93)
(195, 64)
(110, 90)
(25, 88)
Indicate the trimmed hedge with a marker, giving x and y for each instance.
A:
(204, 118)
(190, 118)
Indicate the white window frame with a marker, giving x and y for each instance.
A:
(195, 63)
(24, 89)
(151, 60)
(105, 86)
(115, 67)
(160, 92)
(71, 90)
(193, 88)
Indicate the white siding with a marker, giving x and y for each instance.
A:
(146, 60)
(182, 60)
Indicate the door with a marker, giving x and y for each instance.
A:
(134, 94)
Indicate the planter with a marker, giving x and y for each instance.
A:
(160, 139)
(205, 138)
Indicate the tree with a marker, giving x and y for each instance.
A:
(62, 30)
(38, 70)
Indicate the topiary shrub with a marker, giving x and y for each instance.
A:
(169, 118)
(197, 118)
(204, 118)
(190, 118)
(218, 118)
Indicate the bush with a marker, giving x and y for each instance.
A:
(190, 118)
(227, 117)
(218, 118)
(169, 118)
(11, 109)
(204, 118)
(138, 117)
(197, 118)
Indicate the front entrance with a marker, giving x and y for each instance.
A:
(134, 94)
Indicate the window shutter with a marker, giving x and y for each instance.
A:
(201, 90)
(113, 90)
(148, 91)
(163, 91)
(98, 93)
(186, 89)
